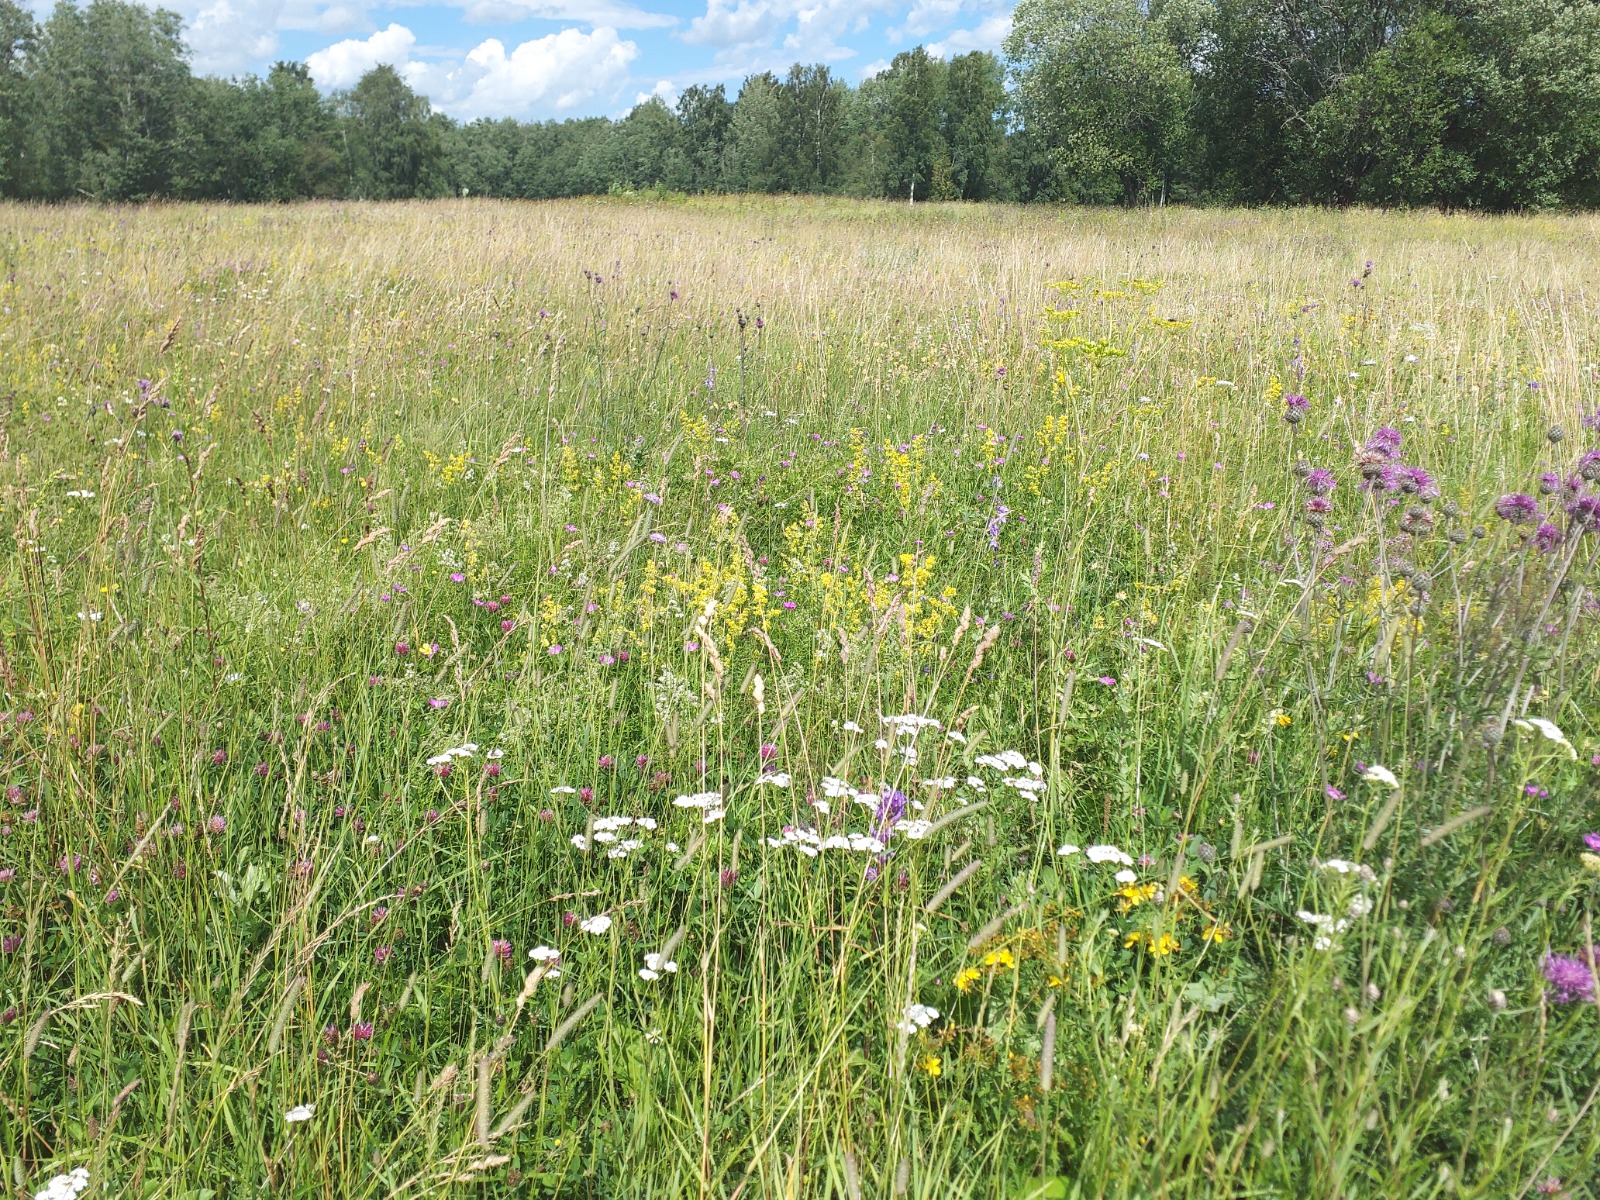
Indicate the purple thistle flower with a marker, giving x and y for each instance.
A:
(1571, 979)
(1418, 482)
(1518, 507)
(1319, 504)
(1585, 513)
(1592, 840)
(1549, 483)
(1547, 537)
(1589, 466)
(1385, 442)
(1321, 481)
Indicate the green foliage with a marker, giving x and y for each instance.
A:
(395, 148)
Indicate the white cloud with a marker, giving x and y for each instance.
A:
(664, 90)
(227, 38)
(740, 23)
(343, 63)
(595, 13)
(989, 35)
(557, 74)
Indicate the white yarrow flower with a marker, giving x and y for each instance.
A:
(300, 1112)
(1108, 854)
(917, 1016)
(1549, 729)
(65, 1187)
(597, 924)
(1377, 774)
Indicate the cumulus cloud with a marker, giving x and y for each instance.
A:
(739, 23)
(555, 74)
(228, 38)
(343, 63)
(989, 35)
(597, 13)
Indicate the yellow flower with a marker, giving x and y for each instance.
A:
(1217, 933)
(999, 958)
(1186, 884)
(933, 1066)
(966, 978)
(1135, 894)
(1134, 939)
(1165, 945)
(1283, 720)
(1055, 981)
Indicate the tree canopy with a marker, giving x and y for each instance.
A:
(1491, 104)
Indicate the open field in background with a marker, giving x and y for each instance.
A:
(390, 592)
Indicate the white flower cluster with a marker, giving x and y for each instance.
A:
(299, 1113)
(1358, 906)
(709, 803)
(1100, 854)
(655, 966)
(597, 925)
(465, 750)
(548, 957)
(917, 1016)
(1031, 785)
(65, 1187)
(604, 833)
(909, 725)
(809, 842)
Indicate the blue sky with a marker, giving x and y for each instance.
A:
(569, 58)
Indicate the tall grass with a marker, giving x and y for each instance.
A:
(659, 511)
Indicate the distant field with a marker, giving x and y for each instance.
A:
(955, 701)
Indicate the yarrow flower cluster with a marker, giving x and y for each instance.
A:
(916, 1017)
(605, 832)
(709, 803)
(65, 1187)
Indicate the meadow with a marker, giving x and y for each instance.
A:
(760, 697)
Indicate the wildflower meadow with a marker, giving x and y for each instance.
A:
(761, 697)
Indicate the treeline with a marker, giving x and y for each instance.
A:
(1490, 104)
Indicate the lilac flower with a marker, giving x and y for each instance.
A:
(1571, 979)
(1547, 537)
(891, 807)
(1518, 507)
(996, 524)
